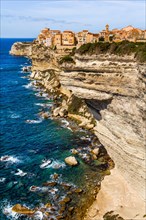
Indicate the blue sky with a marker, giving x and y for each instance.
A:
(26, 18)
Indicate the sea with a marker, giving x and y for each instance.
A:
(28, 142)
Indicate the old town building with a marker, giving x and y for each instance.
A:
(68, 38)
(58, 39)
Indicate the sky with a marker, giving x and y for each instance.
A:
(26, 18)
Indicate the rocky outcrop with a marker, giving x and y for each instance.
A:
(110, 88)
(21, 49)
(22, 210)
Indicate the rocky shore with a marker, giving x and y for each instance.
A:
(103, 93)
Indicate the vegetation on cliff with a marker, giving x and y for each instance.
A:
(75, 105)
(120, 48)
(66, 59)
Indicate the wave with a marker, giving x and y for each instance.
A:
(65, 122)
(44, 104)
(56, 164)
(34, 121)
(2, 180)
(15, 82)
(69, 128)
(53, 191)
(33, 151)
(20, 173)
(11, 215)
(10, 159)
(23, 77)
(7, 210)
(14, 115)
(45, 163)
(38, 215)
(28, 86)
(42, 95)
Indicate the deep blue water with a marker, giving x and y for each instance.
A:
(28, 144)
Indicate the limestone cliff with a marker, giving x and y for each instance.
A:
(21, 49)
(112, 88)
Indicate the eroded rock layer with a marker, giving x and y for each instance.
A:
(112, 88)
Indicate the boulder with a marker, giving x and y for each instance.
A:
(95, 151)
(56, 112)
(22, 210)
(71, 161)
(45, 115)
(62, 112)
(65, 200)
(74, 151)
(89, 126)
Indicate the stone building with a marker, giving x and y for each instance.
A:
(68, 38)
(57, 40)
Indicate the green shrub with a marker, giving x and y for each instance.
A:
(73, 51)
(120, 48)
(75, 105)
(66, 59)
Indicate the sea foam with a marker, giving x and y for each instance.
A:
(34, 121)
(10, 159)
(56, 164)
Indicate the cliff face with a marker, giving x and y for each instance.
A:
(112, 88)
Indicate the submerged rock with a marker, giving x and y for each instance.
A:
(65, 200)
(66, 186)
(55, 176)
(48, 205)
(71, 161)
(74, 151)
(50, 184)
(45, 115)
(78, 190)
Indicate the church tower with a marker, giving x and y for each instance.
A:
(107, 28)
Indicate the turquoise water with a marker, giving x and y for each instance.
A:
(28, 143)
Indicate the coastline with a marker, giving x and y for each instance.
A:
(92, 189)
(114, 179)
(115, 198)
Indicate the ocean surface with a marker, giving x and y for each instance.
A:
(28, 140)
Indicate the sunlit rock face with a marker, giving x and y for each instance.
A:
(21, 49)
(113, 89)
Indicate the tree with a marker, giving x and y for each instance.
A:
(101, 39)
(111, 37)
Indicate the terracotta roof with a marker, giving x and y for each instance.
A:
(67, 31)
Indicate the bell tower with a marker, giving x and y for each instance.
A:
(107, 28)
